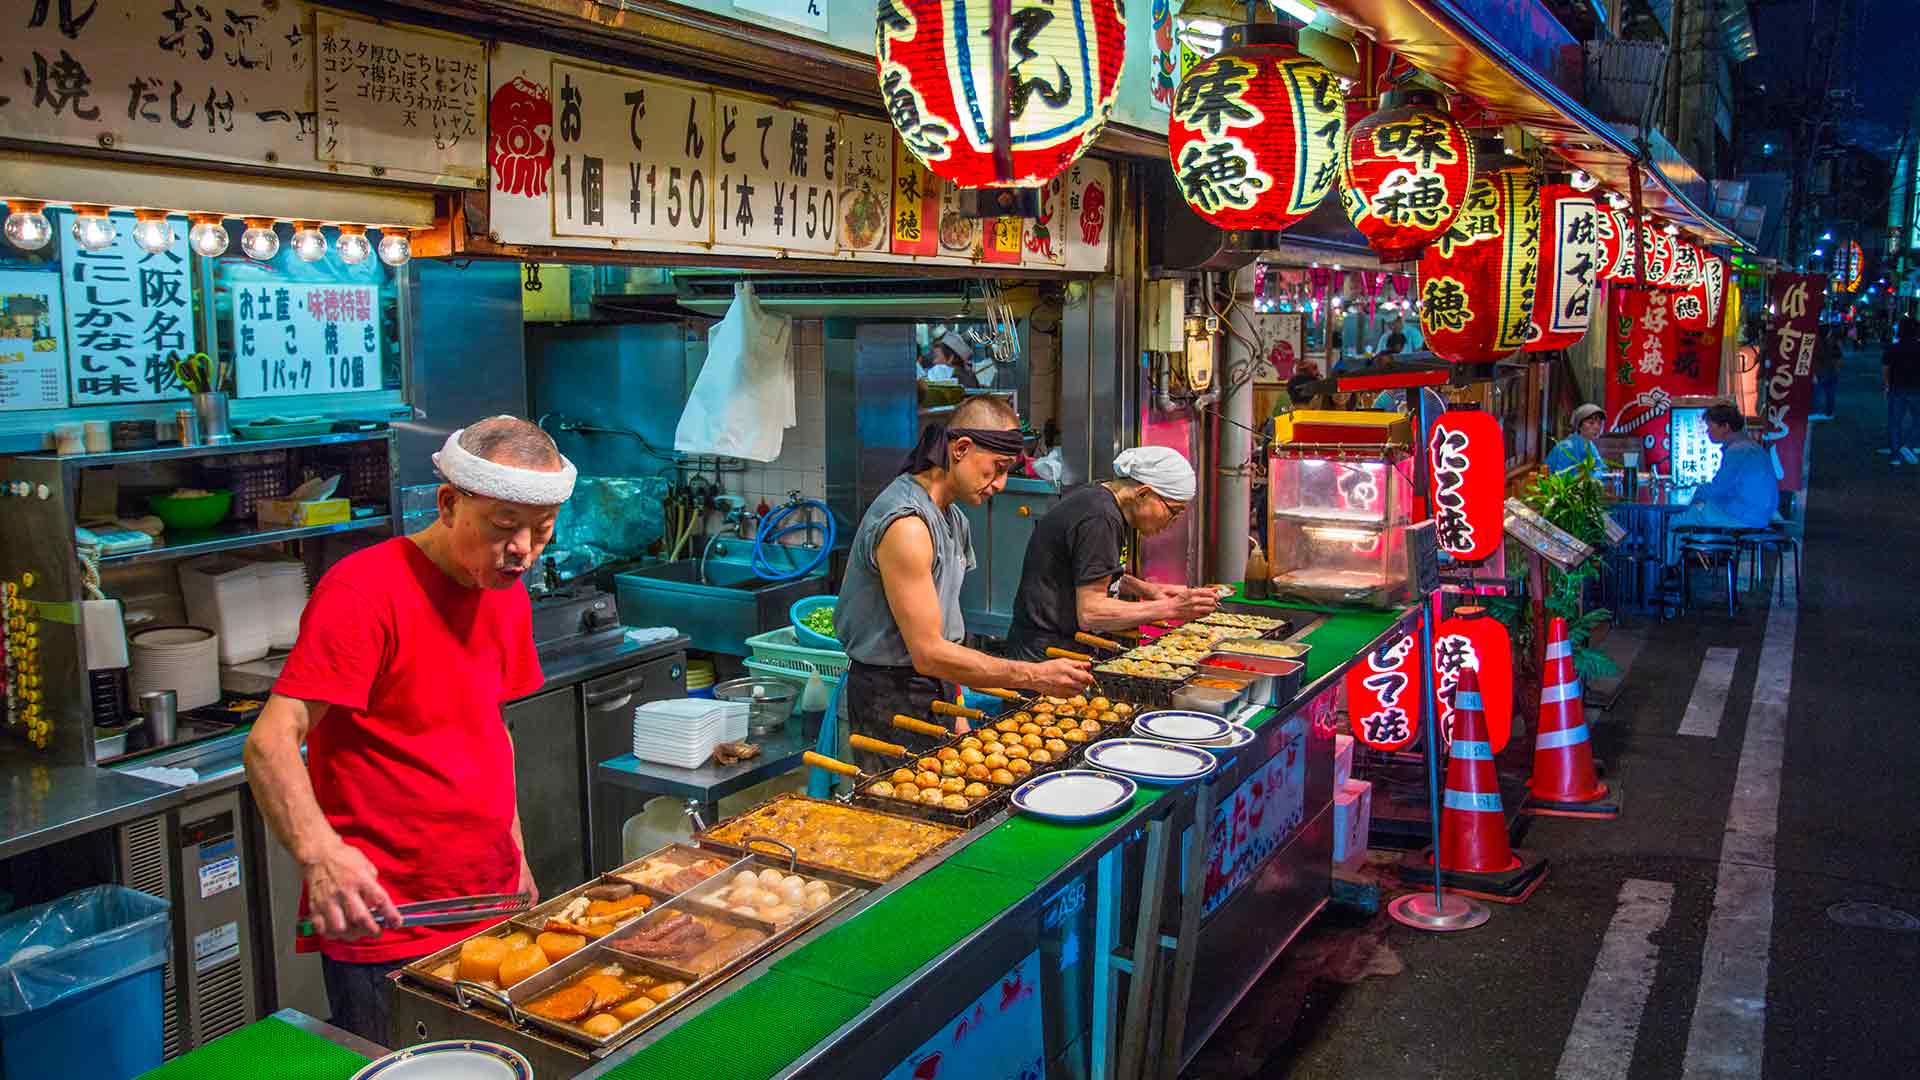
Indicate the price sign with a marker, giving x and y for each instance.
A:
(33, 341)
(1543, 537)
(387, 93)
(126, 311)
(916, 205)
(633, 158)
(306, 339)
(866, 183)
(778, 172)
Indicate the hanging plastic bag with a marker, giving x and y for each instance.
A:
(86, 939)
(742, 403)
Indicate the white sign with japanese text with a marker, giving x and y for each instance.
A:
(390, 94)
(633, 158)
(305, 339)
(866, 183)
(1088, 220)
(809, 15)
(778, 173)
(128, 312)
(33, 341)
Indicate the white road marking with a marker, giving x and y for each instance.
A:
(1600, 1047)
(1709, 701)
(1728, 1035)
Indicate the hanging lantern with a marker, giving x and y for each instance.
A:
(1683, 264)
(1570, 255)
(1471, 638)
(1477, 282)
(1405, 174)
(1658, 247)
(1256, 131)
(1466, 462)
(1698, 310)
(1383, 695)
(936, 61)
(1619, 246)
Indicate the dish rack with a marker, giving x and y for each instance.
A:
(778, 653)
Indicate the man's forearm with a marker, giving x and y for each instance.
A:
(1136, 588)
(1107, 613)
(955, 663)
(277, 775)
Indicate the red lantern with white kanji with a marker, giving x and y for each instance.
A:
(1256, 131)
(1658, 247)
(1471, 637)
(1617, 246)
(1570, 255)
(935, 61)
(1405, 174)
(1466, 462)
(1478, 281)
(1383, 695)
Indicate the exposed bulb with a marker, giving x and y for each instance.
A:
(27, 226)
(1582, 180)
(352, 246)
(309, 243)
(209, 238)
(395, 249)
(1618, 201)
(94, 232)
(1670, 229)
(260, 241)
(153, 234)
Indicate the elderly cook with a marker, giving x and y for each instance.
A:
(1074, 569)
(406, 652)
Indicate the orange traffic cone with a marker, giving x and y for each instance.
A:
(1564, 782)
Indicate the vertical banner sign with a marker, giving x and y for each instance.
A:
(33, 341)
(386, 93)
(916, 205)
(1646, 369)
(126, 311)
(635, 159)
(1569, 257)
(866, 183)
(1003, 238)
(1787, 365)
(1046, 241)
(1383, 695)
(1467, 459)
(1087, 224)
(778, 170)
(305, 339)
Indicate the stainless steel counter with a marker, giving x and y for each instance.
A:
(45, 804)
(346, 1040)
(564, 667)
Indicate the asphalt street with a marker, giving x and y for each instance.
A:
(1721, 880)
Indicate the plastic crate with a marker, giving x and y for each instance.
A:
(778, 652)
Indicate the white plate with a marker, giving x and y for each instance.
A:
(1073, 795)
(1182, 726)
(1239, 736)
(1151, 761)
(451, 1059)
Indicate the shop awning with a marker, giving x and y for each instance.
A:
(1447, 40)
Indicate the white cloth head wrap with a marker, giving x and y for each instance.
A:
(509, 483)
(1165, 471)
(962, 348)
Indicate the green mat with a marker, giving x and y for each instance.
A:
(873, 953)
(1032, 850)
(268, 1049)
(1340, 637)
(762, 1027)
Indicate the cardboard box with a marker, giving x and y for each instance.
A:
(300, 514)
(1352, 817)
(1342, 760)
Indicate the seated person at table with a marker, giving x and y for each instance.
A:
(1588, 422)
(1743, 494)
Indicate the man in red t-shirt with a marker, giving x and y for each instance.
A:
(407, 650)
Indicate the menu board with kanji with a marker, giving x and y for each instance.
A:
(778, 171)
(866, 182)
(394, 94)
(33, 335)
(305, 339)
(127, 312)
(649, 144)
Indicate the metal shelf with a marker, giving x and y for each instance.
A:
(241, 535)
(237, 446)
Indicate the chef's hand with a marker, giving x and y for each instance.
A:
(1059, 678)
(344, 895)
(527, 884)
(1195, 603)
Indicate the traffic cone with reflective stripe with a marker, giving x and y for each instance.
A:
(1564, 782)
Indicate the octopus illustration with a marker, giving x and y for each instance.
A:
(1093, 214)
(520, 142)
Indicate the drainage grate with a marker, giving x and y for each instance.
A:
(1872, 916)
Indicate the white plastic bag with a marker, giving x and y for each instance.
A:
(1051, 466)
(743, 401)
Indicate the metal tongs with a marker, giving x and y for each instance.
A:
(453, 909)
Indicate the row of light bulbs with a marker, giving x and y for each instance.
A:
(28, 229)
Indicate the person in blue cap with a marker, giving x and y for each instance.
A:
(1588, 422)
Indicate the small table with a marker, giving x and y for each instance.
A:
(705, 786)
(1647, 517)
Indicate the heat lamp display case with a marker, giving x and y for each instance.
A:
(1336, 524)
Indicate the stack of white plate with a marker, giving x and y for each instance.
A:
(283, 588)
(680, 732)
(183, 659)
(226, 595)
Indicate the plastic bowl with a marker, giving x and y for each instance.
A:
(195, 512)
(804, 636)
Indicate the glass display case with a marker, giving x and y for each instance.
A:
(1335, 528)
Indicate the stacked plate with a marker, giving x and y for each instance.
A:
(680, 732)
(184, 659)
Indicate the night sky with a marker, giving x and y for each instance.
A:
(1884, 45)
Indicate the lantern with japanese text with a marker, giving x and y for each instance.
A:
(1383, 695)
(1466, 462)
(1472, 638)
(1570, 254)
(1256, 132)
(936, 65)
(1657, 248)
(1619, 246)
(1683, 264)
(1405, 174)
(1478, 281)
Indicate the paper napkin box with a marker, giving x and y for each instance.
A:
(302, 513)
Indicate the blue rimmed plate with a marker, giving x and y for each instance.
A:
(1074, 795)
(1181, 726)
(1151, 761)
(1237, 736)
(450, 1059)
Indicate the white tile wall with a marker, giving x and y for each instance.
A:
(802, 464)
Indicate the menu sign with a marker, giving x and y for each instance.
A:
(1787, 366)
(33, 333)
(305, 339)
(1086, 225)
(866, 183)
(916, 210)
(649, 144)
(394, 94)
(777, 172)
(1647, 369)
(127, 311)
(1046, 244)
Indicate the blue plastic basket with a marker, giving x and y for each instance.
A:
(801, 608)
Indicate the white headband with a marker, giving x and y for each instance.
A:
(531, 487)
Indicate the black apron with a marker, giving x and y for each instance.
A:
(874, 695)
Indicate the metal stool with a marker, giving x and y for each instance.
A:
(1775, 540)
(1723, 545)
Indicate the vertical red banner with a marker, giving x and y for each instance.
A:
(1646, 368)
(1786, 392)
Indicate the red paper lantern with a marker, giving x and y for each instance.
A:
(935, 61)
(1620, 244)
(1683, 264)
(1472, 638)
(1383, 695)
(1570, 255)
(1466, 462)
(1256, 131)
(1405, 174)
(1659, 252)
(1477, 282)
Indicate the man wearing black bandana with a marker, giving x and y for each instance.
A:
(899, 611)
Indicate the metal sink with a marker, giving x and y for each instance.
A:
(724, 607)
